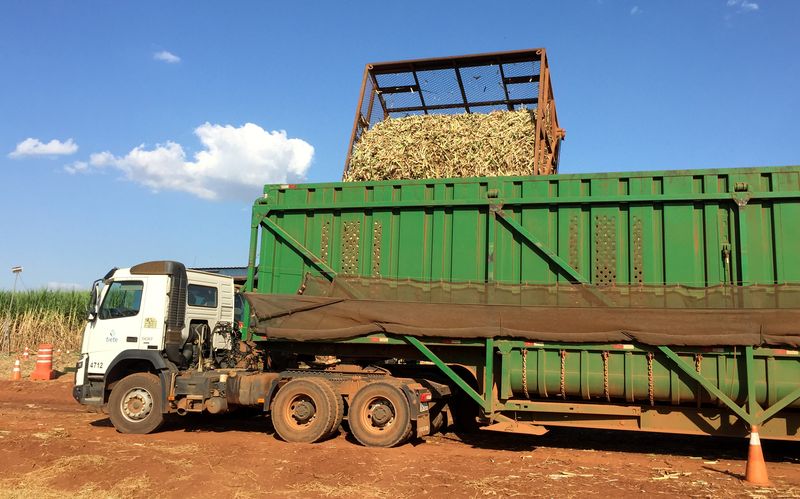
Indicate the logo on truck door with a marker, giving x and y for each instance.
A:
(112, 337)
(150, 323)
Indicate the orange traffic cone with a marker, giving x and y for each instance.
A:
(756, 470)
(16, 373)
(25, 354)
(44, 363)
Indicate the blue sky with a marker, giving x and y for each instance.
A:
(141, 87)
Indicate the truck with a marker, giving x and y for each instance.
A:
(664, 301)
(645, 301)
(162, 339)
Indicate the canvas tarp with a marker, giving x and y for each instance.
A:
(348, 308)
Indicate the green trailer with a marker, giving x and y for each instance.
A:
(658, 301)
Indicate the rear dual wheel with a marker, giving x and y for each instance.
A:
(379, 416)
(307, 410)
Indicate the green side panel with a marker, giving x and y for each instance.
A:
(784, 226)
(614, 374)
(670, 227)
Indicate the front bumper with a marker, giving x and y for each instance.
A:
(89, 392)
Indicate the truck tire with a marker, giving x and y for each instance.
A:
(379, 416)
(135, 404)
(303, 411)
(336, 401)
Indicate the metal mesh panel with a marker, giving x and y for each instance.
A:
(523, 91)
(521, 68)
(378, 113)
(483, 83)
(402, 100)
(395, 79)
(440, 86)
(369, 94)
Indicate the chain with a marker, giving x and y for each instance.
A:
(563, 364)
(698, 366)
(650, 390)
(605, 377)
(525, 373)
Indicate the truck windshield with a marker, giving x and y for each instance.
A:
(123, 299)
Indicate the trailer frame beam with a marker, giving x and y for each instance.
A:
(710, 387)
(569, 200)
(484, 402)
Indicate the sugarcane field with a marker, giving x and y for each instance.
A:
(267, 249)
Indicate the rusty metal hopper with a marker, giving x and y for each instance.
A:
(479, 83)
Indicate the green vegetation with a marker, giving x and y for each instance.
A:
(43, 316)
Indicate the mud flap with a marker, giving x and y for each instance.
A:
(423, 424)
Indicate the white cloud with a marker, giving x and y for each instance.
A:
(636, 10)
(76, 167)
(235, 162)
(743, 5)
(166, 56)
(64, 286)
(35, 147)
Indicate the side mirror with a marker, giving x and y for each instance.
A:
(91, 312)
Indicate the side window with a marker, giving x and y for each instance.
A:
(123, 299)
(202, 296)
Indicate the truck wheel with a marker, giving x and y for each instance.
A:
(302, 411)
(379, 416)
(336, 402)
(135, 404)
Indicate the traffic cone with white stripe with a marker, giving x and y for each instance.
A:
(25, 354)
(16, 373)
(756, 470)
(44, 363)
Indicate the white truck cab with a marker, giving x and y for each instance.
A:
(156, 317)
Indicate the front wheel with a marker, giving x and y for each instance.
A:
(135, 404)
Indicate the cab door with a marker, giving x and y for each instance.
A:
(118, 324)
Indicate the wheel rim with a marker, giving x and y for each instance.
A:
(301, 411)
(378, 415)
(136, 405)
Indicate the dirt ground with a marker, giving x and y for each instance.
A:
(52, 447)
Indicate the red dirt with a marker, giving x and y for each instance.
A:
(51, 446)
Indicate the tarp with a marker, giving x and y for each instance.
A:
(675, 316)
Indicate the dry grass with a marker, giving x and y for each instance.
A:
(338, 489)
(38, 483)
(44, 316)
(447, 146)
